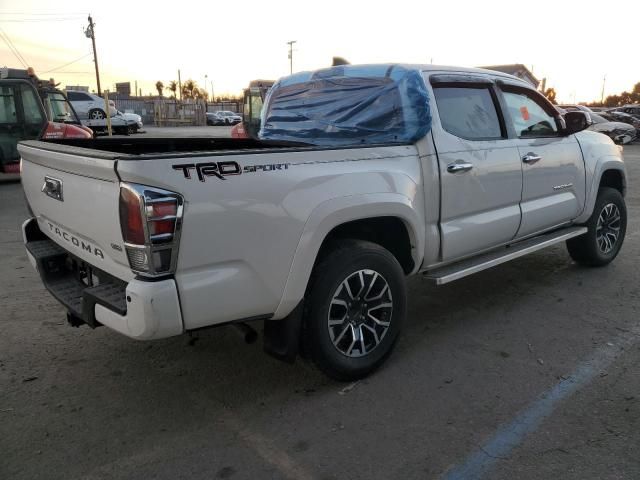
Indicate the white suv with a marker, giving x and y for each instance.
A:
(89, 105)
(229, 118)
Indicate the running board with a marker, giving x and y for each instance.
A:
(463, 268)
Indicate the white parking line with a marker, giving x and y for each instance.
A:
(511, 435)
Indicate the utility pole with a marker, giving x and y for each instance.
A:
(602, 95)
(179, 85)
(90, 33)
(291, 55)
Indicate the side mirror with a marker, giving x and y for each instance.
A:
(576, 121)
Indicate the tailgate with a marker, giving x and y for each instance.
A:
(84, 220)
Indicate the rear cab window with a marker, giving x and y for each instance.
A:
(469, 111)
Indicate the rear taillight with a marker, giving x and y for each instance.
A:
(56, 130)
(131, 217)
(150, 219)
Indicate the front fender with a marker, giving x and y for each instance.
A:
(600, 154)
(337, 211)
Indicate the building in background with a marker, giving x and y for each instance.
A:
(77, 88)
(123, 89)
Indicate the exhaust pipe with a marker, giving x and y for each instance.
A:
(246, 332)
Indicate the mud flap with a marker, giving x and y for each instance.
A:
(282, 337)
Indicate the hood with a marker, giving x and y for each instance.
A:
(131, 116)
(611, 126)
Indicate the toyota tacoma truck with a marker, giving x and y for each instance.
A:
(361, 177)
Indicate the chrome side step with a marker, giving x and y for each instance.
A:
(461, 269)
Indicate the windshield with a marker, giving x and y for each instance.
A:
(59, 109)
(597, 118)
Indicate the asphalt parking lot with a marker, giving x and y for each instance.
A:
(528, 371)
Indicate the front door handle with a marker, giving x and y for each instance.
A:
(459, 167)
(531, 158)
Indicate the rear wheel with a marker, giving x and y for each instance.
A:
(354, 309)
(97, 114)
(606, 230)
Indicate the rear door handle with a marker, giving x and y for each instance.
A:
(531, 158)
(459, 167)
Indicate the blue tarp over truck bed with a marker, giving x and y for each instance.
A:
(348, 105)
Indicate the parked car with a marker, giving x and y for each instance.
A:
(30, 109)
(575, 108)
(90, 106)
(134, 121)
(619, 132)
(229, 118)
(618, 116)
(631, 110)
(313, 228)
(214, 119)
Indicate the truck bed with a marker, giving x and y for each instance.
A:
(122, 148)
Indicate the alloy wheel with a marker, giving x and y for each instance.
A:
(608, 228)
(360, 313)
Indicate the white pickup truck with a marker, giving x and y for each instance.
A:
(363, 175)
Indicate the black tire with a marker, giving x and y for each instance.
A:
(97, 114)
(132, 129)
(340, 264)
(226, 121)
(595, 249)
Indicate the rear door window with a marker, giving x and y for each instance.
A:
(468, 112)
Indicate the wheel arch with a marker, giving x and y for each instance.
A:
(609, 172)
(367, 217)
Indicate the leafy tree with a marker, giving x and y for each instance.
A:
(203, 94)
(624, 98)
(159, 87)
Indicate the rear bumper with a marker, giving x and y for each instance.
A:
(142, 310)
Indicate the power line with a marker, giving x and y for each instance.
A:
(29, 14)
(67, 64)
(40, 20)
(12, 48)
(24, 61)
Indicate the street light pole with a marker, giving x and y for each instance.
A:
(90, 33)
(290, 43)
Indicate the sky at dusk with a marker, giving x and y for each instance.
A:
(234, 42)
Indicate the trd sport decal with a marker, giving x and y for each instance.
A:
(221, 170)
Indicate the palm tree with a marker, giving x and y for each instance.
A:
(159, 87)
(173, 88)
(200, 93)
(189, 89)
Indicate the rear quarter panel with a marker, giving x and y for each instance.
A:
(249, 241)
